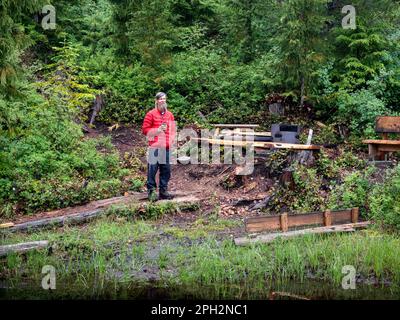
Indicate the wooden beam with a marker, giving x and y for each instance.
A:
(259, 144)
(354, 215)
(328, 218)
(268, 238)
(223, 125)
(388, 148)
(269, 223)
(244, 133)
(383, 142)
(284, 222)
(22, 247)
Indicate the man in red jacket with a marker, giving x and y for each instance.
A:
(159, 128)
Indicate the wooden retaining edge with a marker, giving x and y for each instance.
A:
(22, 247)
(267, 238)
(82, 217)
(286, 221)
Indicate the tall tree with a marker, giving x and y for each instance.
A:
(300, 43)
(13, 38)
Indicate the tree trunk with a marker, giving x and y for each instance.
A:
(302, 92)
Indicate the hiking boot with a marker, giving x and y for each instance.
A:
(152, 196)
(164, 194)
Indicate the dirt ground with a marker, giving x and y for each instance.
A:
(217, 185)
(204, 180)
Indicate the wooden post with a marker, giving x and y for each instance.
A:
(354, 215)
(284, 222)
(327, 218)
(372, 151)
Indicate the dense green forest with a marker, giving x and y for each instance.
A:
(326, 65)
(218, 60)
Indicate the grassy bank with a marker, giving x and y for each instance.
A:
(199, 254)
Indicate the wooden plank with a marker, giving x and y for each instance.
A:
(387, 148)
(244, 133)
(22, 247)
(6, 225)
(268, 223)
(284, 222)
(267, 238)
(387, 125)
(299, 220)
(354, 215)
(232, 125)
(258, 224)
(327, 218)
(382, 142)
(267, 145)
(372, 151)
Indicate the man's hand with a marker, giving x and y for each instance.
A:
(162, 128)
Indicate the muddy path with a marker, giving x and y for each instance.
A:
(216, 183)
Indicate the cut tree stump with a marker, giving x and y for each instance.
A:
(87, 215)
(22, 247)
(267, 238)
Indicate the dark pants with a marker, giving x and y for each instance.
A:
(158, 158)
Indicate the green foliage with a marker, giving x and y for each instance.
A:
(67, 82)
(13, 40)
(45, 162)
(136, 184)
(353, 192)
(359, 111)
(384, 201)
(203, 80)
(145, 211)
(300, 44)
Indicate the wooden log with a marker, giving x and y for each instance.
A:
(267, 238)
(22, 247)
(83, 217)
(76, 218)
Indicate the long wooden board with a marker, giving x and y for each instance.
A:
(387, 125)
(267, 238)
(246, 133)
(383, 142)
(259, 144)
(327, 218)
(224, 125)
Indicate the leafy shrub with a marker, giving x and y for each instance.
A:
(384, 201)
(359, 110)
(353, 191)
(46, 163)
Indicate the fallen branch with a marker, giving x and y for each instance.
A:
(22, 247)
(267, 238)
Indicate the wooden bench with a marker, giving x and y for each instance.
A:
(377, 149)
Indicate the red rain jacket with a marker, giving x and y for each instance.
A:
(152, 121)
